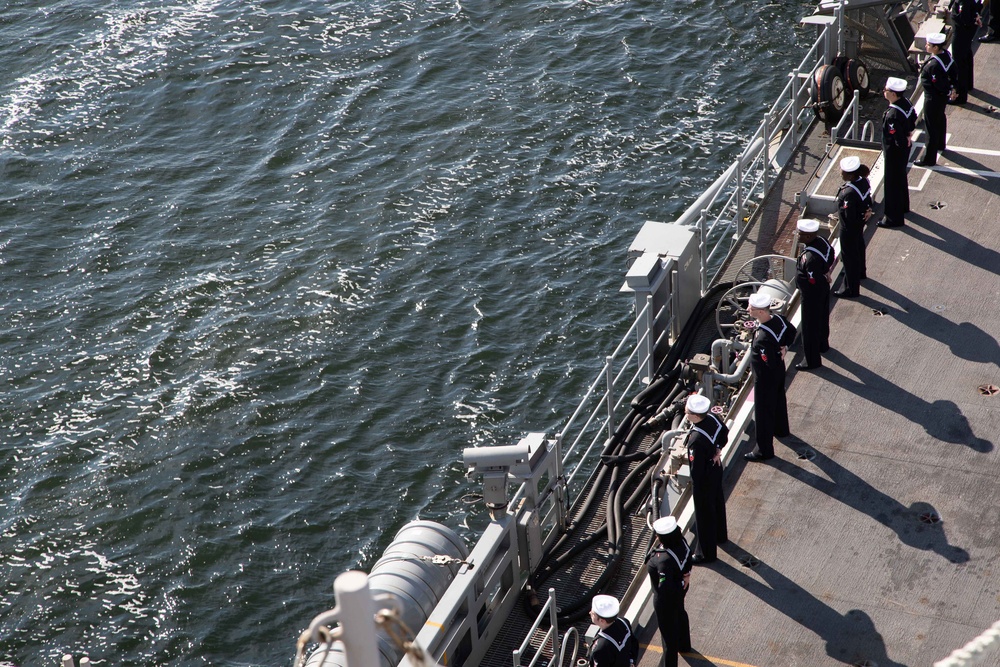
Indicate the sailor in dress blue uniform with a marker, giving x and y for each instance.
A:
(669, 570)
(812, 277)
(854, 207)
(966, 15)
(615, 645)
(898, 123)
(767, 351)
(705, 440)
(937, 76)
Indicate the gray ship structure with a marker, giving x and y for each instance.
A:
(829, 567)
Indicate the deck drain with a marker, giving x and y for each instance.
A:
(930, 518)
(807, 454)
(879, 312)
(749, 561)
(937, 205)
(989, 389)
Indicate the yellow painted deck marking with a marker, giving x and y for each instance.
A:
(700, 658)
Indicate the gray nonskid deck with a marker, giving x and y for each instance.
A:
(852, 566)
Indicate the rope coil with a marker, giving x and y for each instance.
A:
(974, 652)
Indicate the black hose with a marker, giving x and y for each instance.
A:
(661, 397)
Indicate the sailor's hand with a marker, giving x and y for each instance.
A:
(868, 214)
(717, 459)
(784, 348)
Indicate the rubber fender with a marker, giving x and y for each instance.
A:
(831, 94)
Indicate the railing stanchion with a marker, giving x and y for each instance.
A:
(739, 197)
(610, 376)
(794, 121)
(766, 133)
(650, 338)
(554, 623)
(854, 117)
(702, 221)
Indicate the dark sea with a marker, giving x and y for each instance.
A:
(268, 266)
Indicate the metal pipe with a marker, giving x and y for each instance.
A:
(730, 378)
(722, 355)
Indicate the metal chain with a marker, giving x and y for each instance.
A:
(403, 637)
(328, 637)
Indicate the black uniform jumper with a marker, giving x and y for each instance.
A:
(810, 277)
(938, 79)
(615, 647)
(770, 411)
(853, 200)
(705, 439)
(666, 568)
(898, 122)
(965, 13)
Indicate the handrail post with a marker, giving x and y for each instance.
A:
(674, 323)
(610, 376)
(840, 27)
(794, 120)
(554, 624)
(517, 657)
(702, 220)
(854, 117)
(766, 133)
(739, 197)
(650, 339)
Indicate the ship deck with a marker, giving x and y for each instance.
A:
(873, 537)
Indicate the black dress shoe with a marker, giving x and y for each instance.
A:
(925, 163)
(844, 294)
(756, 456)
(698, 559)
(989, 37)
(807, 367)
(886, 224)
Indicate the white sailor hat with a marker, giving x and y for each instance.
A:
(895, 84)
(604, 606)
(760, 300)
(698, 404)
(850, 164)
(808, 225)
(665, 525)
(936, 38)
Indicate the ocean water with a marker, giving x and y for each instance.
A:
(269, 266)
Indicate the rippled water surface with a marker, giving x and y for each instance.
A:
(269, 266)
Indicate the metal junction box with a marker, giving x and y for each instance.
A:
(658, 250)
